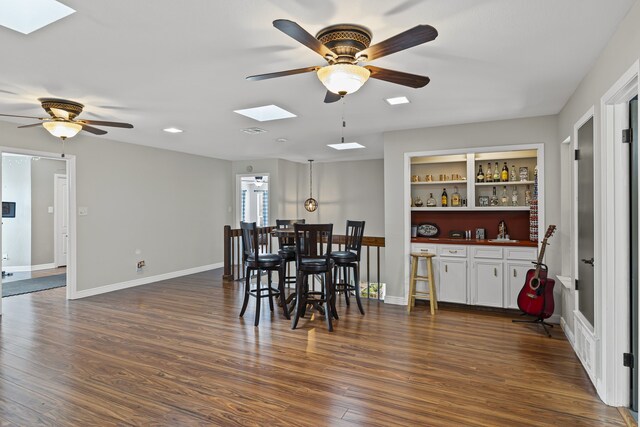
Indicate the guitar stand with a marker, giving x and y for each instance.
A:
(539, 320)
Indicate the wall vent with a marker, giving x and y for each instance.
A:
(253, 131)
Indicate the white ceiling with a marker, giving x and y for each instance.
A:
(166, 63)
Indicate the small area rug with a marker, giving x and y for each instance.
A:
(33, 285)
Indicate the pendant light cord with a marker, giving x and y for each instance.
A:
(311, 179)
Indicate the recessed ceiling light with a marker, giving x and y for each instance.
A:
(26, 16)
(266, 113)
(346, 146)
(282, 140)
(173, 130)
(253, 131)
(398, 100)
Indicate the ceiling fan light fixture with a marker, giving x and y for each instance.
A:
(62, 129)
(343, 79)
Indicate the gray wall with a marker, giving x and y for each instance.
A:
(171, 206)
(16, 232)
(42, 224)
(619, 55)
(487, 134)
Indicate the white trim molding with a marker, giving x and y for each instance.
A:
(143, 281)
(21, 268)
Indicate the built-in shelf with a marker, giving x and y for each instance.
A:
(462, 181)
(467, 208)
(440, 208)
(496, 184)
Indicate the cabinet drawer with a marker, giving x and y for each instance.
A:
(528, 254)
(458, 251)
(423, 248)
(487, 252)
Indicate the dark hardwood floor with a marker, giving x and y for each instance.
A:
(175, 353)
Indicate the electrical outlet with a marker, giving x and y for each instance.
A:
(141, 264)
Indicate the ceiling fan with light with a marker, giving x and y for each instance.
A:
(344, 46)
(63, 123)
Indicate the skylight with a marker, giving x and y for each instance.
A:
(27, 16)
(398, 100)
(346, 146)
(266, 113)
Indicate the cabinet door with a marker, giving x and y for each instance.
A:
(487, 283)
(453, 281)
(516, 273)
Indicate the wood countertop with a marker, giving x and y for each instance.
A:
(449, 241)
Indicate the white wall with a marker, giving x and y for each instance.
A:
(486, 134)
(16, 232)
(171, 206)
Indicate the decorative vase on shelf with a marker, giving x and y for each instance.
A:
(417, 202)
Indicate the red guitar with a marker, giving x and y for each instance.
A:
(536, 296)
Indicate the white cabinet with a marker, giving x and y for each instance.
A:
(487, 283)
(484, 275)
(453, 280)
(515, 275)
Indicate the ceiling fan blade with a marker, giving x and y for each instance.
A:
(30, 126)
(25, 117)
(410, 38)
(301, 35)
(331, 97)
(93, 130)
(398, 77)
(102, 123)
(283, 73)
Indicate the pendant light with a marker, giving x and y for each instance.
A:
(311, 204)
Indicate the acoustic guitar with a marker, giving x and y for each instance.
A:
(536, 296)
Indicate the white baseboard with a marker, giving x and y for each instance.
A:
(568, 333)
(555, 319)
(22, 268)
(388, 299)
(143, 281)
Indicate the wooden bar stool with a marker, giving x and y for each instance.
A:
(413, 294)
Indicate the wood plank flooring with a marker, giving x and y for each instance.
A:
(176, 353)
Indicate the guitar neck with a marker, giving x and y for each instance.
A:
(540, 257)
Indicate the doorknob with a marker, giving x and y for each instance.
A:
(588, 261)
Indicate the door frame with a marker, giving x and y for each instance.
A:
(614, 229)
(56, 234)
(71, 182)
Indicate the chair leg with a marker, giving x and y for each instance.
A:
(347, 284)
(412, 283)
(356, 284)
(433, 298)
(299, 301)
(269, 291)
(258, 294)
(283, 299)
(247, 288)
(329, 295)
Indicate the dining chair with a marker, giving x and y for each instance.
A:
(347, 260)
(313, 258)
(257, 262)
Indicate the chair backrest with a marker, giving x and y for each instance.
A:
(249, 239)
(287, 223)
(313, 241)
(354, 234)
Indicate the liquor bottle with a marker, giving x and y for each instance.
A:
(455, 198)
(514, 196)
(494, 198)
(504, 199)
(480, 176)
(504, 175)
(445, 198)
(488, 177)
(527, 196)
(512, 177)
(431, 202)
(496, 173)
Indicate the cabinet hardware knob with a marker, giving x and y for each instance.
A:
(452, 251)
(514, 273)
(495, 271)
(446, 269)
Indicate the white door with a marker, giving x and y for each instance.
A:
(453, 281)
(487, 281)
(61, 219)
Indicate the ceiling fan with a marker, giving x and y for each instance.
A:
(62, 122)
(344, 46)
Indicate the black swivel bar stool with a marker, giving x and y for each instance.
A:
(287, 247)
(255, 261)
(347, 260)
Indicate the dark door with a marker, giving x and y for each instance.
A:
(633, 187)
(585, 221)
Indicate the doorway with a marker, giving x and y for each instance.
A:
(253, 199)
(29, 213)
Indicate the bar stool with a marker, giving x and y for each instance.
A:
(287, 247)
(413, 294)
(255, 261)
(348, 260)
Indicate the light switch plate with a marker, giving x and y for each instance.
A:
(50, 209)
(83, 210)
